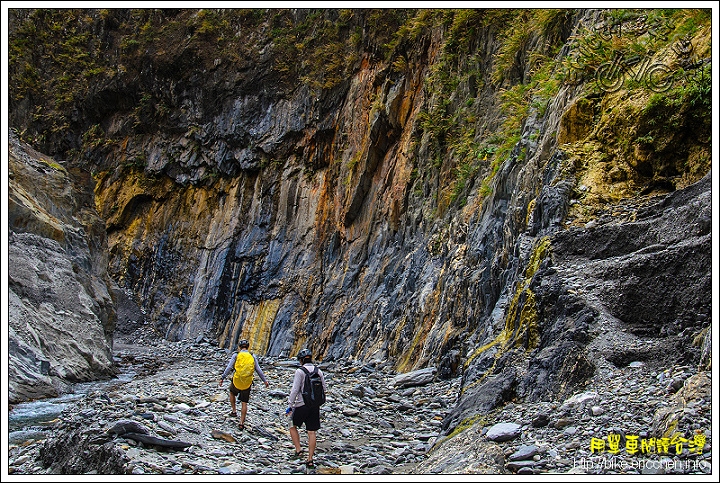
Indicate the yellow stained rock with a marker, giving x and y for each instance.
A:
(329, 471)
(217, 434)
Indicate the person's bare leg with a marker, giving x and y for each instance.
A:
(232, 402)
(295, 438)
(243, 412)
(312, 439)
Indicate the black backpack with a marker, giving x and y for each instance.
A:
(313, 391)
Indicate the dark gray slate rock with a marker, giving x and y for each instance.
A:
(128, 426)
(482, 398)
(541, 420)
(154, 441)
(525, 452)
(516, 466)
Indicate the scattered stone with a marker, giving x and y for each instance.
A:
(563, 422)
(128, 426)
(347, 469)
(329, 471)
(579, 399)
(541, 420)
(217, 434)
(515, 466)
(157, 442)
(524, 452)
(420, 377)
(503, 432)
(380, 439)
(166, 427)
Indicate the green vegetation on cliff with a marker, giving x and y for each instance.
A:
(72, 69)
(62, 58)
(643, 122)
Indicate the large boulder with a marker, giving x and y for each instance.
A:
(420, 377)
(60, 311)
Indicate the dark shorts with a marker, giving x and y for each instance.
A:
(309, 417)
(242, 394)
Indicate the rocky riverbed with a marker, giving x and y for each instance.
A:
(374, 422)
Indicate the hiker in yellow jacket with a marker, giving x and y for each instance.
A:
(245, 365)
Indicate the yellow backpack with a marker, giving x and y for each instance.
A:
(244, 370)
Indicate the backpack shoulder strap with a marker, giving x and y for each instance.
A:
(315, 371)
(304, 369)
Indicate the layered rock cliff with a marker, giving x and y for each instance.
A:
(61, 314)
(500, 194)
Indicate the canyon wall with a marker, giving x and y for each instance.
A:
(460, 189)
(61, 314)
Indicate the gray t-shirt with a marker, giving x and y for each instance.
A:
(295, 399)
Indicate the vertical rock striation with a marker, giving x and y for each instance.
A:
(448, 188)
